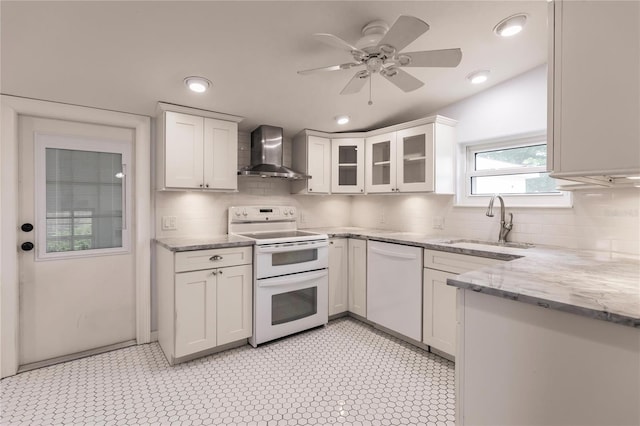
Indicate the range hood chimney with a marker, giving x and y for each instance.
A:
(266, 155)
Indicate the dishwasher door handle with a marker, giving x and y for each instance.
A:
(393, 254)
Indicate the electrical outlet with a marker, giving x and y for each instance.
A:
(438, 222)
(169, 223)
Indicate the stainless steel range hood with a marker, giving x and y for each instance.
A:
(266, 155)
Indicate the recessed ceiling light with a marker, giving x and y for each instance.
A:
(342, 119)
(478, 77)
(511, 26)
(197, 84)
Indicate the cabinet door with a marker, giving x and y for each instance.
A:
(596, 85)
(347, 166)
(183, 150)
(319, 165)
(195, 316)
(357, 291)
(338, 276)
(380, 165)
(439, 311)
(415, 159)
(235, 286)
(220, 154)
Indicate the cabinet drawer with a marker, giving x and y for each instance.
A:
(456, 263)
(215, 258)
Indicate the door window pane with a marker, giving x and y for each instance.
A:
(523, 183)
(84, 200)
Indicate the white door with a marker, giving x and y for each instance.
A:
(76, 268)
(347, 166)
(220, 154)
(319, 161)
(415, 159)
(380, 168)
(184, 141)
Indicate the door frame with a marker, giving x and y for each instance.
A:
(10, 108)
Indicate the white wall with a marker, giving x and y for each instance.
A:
(604, 219)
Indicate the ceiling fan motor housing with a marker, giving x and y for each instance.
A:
(372, 33)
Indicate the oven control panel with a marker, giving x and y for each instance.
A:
(262, 213)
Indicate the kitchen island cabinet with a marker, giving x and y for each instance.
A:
(524, 364)
(204, 300)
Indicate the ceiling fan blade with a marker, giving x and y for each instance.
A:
(346, 66)
(402, 79)
(356, 83)
(434, 58)
(336, 41)
(405, 30)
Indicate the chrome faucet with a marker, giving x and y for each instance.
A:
(504, 226)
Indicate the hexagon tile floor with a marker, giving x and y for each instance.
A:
(345, 373)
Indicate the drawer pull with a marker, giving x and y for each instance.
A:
(216, 257)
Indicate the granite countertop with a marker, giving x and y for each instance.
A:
(598, 285)
(594, 284)
(177, 244)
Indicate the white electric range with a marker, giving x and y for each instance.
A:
(290, 292)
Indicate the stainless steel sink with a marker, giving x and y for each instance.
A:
(490, 243)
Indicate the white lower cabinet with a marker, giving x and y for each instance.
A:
(338, 276)
(358, 277)
(204, 300)
(439, 299)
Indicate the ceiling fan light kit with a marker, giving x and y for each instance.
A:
(511, 26)
(197, 84)
(379, 51)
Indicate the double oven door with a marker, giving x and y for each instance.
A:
(291, 289)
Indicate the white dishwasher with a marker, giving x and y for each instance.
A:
(394, 287)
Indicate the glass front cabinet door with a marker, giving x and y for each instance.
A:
(347, 170)
(381, 163)
(415, 160)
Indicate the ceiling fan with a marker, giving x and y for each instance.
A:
(379, 51)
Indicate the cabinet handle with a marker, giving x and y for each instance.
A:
(220, 272)
(200, 185)
(310, 189)
(214, 272)
(207, 185)
(362, 190)
(216, 257)
(330, 242)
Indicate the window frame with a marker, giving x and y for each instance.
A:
(466, 171)
(46, 140)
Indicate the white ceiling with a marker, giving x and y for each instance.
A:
(127, 56)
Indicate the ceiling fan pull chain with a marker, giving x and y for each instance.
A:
(370, 101)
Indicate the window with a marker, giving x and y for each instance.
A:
(81, 191)
(515, 169)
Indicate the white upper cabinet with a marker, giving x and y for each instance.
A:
(381, 163)
(347, 166)
(414, 159)
(195, 151)
(594, 79)
(312, 155)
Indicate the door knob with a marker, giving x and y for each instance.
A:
(27, 246)
(27, 227)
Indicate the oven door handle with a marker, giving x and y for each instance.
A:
(292, 279)
(292, 247)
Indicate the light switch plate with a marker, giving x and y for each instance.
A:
(169, 223)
